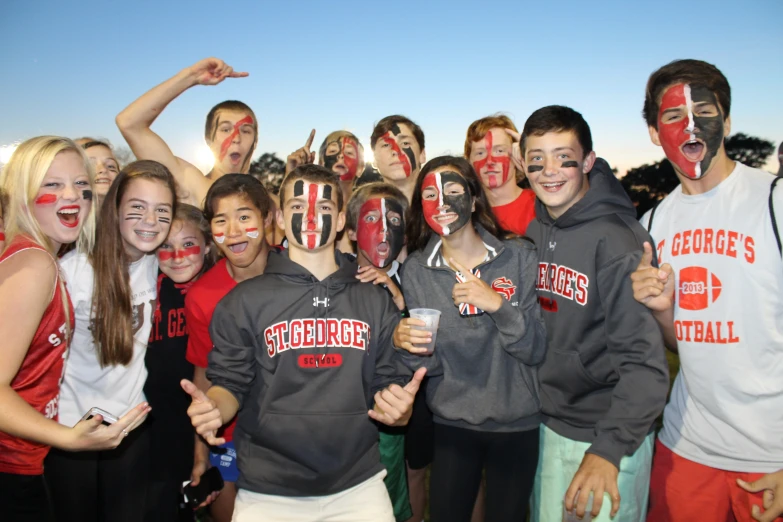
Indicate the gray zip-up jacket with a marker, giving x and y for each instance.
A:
(605, 377)
(482, 373)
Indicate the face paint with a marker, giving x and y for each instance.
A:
(352, 164)
(87, 194)
(490, 159)
(219, 238)
(46, 199)
(446, 214)
(251, 232)
(535, 168)
(314, 225)
(227, 142)
(165, 255)
(690, 142)
(569, 164)
(380, 231)
(408, 159)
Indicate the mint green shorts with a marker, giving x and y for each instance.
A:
(559, 459)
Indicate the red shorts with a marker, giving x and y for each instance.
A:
(684, 491)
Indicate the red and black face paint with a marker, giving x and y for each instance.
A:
(408, 159)
(380, 230)
(247, 120)
(166, 255)
(447, 213)
(493, 163)
(311, 228)
(690, 142)
(351, 163)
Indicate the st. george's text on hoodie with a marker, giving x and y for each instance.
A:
(605, 377)
(304, 359)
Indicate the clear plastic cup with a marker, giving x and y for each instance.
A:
(570, 516)
(432, 318)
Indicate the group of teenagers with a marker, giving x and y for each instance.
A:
(268, 335)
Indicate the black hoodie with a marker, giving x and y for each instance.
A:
(304, 358)
(605, 376)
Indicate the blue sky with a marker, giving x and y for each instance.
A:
(343, 64)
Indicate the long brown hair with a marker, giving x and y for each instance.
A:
(112, 327)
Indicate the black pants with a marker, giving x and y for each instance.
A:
(100, 486)
(510, 461)
(24, 498)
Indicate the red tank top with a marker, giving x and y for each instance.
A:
(39, 377)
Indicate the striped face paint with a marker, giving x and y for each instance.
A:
(311, 228)
(348, 152)
(493, 170)
(166, 255)
(247, 120)
(380, 230)
(251, 233)
(220, 237)
(690, 128)
(406, 155)
(445, 213)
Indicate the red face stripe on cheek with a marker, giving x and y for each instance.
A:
(227, 142)
(312, 199)
(406, 165)
(351, 163)
(46, 199)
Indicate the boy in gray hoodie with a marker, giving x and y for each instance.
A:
(302, 352)
(605, 377)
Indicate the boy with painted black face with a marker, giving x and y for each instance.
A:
(398, 147)
(305, 348)
(605, 377)
(720, 453)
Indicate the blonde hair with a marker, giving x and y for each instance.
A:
(21, 180)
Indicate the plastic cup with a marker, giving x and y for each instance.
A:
(432, 318)
(570, 516)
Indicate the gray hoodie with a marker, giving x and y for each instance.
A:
(605, 377)
(481, 375)
(304, 358)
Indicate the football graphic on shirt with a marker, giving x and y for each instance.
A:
(698, 288)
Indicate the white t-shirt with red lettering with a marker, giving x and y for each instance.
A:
(726, 407)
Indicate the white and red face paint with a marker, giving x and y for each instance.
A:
(380, 230)
(690, 141)
(348, 152)
(219, 237)
(492, 167)
(445, 214)
(311, 228)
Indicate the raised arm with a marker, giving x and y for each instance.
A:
(136, 119)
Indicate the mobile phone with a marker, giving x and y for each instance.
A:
(210, 481)
(108, 418)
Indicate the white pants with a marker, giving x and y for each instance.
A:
(365, 502)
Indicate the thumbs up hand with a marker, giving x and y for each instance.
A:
(204, 414)
(394, 404)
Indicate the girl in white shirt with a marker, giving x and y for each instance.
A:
(113, 292)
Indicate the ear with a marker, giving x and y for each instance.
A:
(270, 216)
(351, 234)
(588, 163)
(654, 135)
(280, 219)
(207, 250)
(422, 157)
(340, 221)
(473, 204)
(727, 127)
